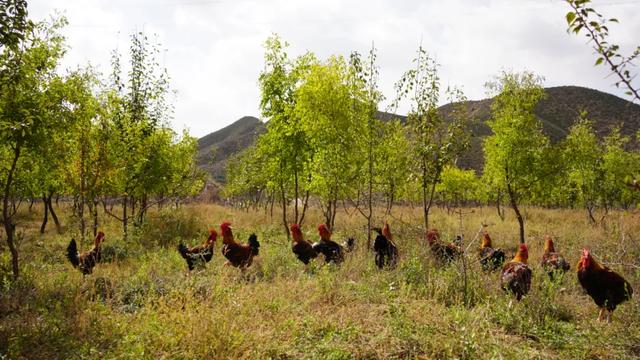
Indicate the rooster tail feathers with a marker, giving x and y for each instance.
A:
(72, 253)
(254, 244)
(182, 249)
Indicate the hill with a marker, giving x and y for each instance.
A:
(557, 112)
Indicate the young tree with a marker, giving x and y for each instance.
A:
(582, 159)
(285, 145)
(32, 97)
(514, 153)
(437, 141)
(334, 126)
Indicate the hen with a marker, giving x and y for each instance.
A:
(385, 249)
(331, 250)
(552, 261)
(200, 254)
(516, 274)
(303, 249)
(442, 252)
(606, 287)
(87, 260)
(349, 244)
(490, 258)
(238, 255)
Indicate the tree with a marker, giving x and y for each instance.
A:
(514, 153)
(332, 117)
(584, 18)
(32, 99)
(436, 141)
(582, 159)
(14, 22)
(285, 145)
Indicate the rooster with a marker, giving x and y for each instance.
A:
(87, 260)
(606, 287)
(349, 244)
(442, 252)
(303, 249)
(238, 255)
(491, 258)
(331, 250)
(551, 260)
(200, 254)
(385, 249)
(516, 274)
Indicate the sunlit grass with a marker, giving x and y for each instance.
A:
(143, 303)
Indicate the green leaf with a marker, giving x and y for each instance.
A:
(570, 17)
(599, 61)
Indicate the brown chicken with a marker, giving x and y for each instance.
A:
(490, 258)
(606, 287)
(516, 274)
(200, 254)
(303, 249)
(331, 250)
(238, 255)
(553, 261)
(87, 260)
(444, 253)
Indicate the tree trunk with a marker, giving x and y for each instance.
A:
(498, 203)
(46, 214)
(304, 207)
(424, 194)
(514, 206)
(9, 226)
(31, 201)
(124, 218)
(95, 217)
(284, 211)
(295, 189)
(53, 215)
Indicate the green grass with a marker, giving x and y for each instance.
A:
(143, 303)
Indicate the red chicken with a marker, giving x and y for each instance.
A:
(491, 258)
(516, 274)
(553, 261)
(87, 260)
(200, 254)
(303, 249)
(442, 252)
(606, 287)
(385, 249)
(238, 255)
(331, 250)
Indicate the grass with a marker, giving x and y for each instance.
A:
(143, 303)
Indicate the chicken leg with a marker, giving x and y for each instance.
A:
(601, 314)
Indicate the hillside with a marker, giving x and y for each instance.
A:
(557, 112)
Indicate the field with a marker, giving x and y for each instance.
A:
(142, 302)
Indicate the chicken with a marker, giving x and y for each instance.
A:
(238, 255)
(442, 252)
(200, 254)
(331, 250)
(491, 258)
(87, 260)
(606, 287)
(385, 249)
(303, 249)
(551, 260)
(349, 244)
(516, 274)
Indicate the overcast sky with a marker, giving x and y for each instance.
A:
(214, 48)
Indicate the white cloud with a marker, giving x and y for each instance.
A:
(214, 47)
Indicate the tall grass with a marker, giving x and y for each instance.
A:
(143, 303)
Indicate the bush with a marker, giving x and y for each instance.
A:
(169, 227)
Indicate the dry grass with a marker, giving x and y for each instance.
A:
(144, 304)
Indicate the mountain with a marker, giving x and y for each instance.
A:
(557, 113)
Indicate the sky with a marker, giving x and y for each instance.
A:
(213, 49)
